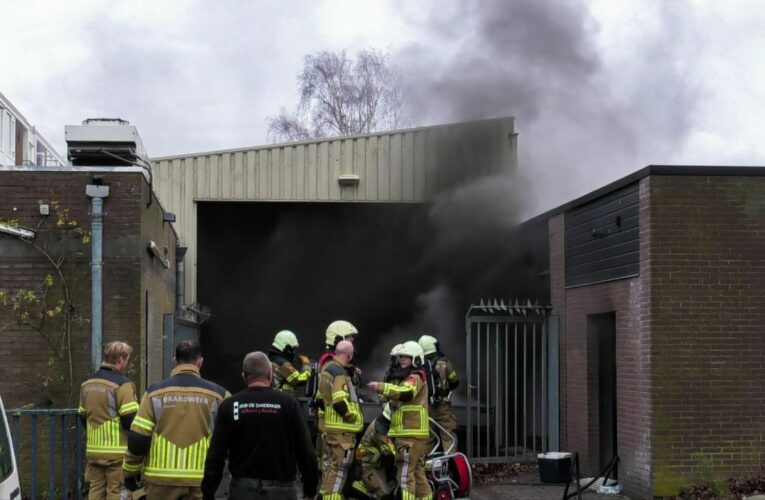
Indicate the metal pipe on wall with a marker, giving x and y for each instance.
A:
(180, 278)
(97, 193)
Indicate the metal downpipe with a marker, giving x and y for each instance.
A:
(97, 193)
(180, 278)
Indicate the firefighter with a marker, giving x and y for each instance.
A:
(409, 422)
(373, 447)
(107, 406)
(170, 435)
(375, 444)
(286, 376)
(394, 366)
(442, 381)
(342, 420)
(336, 331)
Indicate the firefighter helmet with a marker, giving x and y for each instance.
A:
(413, 350)
(285, 339)
(396, 350)
(429, 344)
(338, 330)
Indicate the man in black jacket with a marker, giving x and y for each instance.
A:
(263, 434)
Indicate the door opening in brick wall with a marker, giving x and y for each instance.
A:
(601, 339)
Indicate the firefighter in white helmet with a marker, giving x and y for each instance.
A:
(282, 357)
(375, 445)
(409, 422)
(442, 380)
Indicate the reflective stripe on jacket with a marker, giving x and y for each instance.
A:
(172, 429)
(107, 403)
(342, 411)
(409, 406)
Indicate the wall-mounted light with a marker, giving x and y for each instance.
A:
(155, 251)
(168, 217)
(16, 231)
(348, 180)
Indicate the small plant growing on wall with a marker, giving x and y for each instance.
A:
(49, 308)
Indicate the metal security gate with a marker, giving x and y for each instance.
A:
(512, 374)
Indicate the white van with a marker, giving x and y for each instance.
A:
(9, 475)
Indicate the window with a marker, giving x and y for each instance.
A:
(7, 132)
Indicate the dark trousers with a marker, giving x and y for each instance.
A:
(245, 488)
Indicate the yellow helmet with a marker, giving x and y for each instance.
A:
(285, 339)
(413, 350)
(429, 344)
(337, 331)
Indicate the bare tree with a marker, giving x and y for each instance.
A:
(341, 96)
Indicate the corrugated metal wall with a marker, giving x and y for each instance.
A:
(401, 166)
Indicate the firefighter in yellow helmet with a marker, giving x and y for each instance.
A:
(409, 422)
(375, 444)
(282, 355)
(171, 433)
(442, 380)
(107, 407)
(342, 420)
(336, 332)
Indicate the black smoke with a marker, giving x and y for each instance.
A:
(584, 119)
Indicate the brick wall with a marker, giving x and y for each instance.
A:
(690, 345)
(708, 315)
(157, 285)
(126, 264)
(578, 388)
(556, 228)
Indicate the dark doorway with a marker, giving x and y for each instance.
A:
(393, 270)
(601, 333)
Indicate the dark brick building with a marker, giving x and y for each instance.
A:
(138, 285)
(659, 283)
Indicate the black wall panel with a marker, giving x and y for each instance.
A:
(602, 238)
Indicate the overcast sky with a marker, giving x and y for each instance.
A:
(599, 88)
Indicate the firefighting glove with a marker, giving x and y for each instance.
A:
(304, 360)
(133, 483)
(351, 415)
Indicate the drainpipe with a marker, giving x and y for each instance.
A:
(96, 193)
(180, 278)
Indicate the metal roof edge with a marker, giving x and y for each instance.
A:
(333, 138)
(709, 170)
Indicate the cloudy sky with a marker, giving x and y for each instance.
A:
(598, 88)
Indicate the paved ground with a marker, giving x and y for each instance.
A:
(528, 487)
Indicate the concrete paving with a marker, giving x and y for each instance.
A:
(528, 487)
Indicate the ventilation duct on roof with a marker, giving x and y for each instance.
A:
(105, 141)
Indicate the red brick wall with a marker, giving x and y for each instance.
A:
(24, 352)
(708, 315)
(690, 345)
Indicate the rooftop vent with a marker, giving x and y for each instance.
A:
(105, 142)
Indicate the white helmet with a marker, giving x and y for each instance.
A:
(337, 331)
(396, 350)
(413, 350)
(429, 344)
(285, 339)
